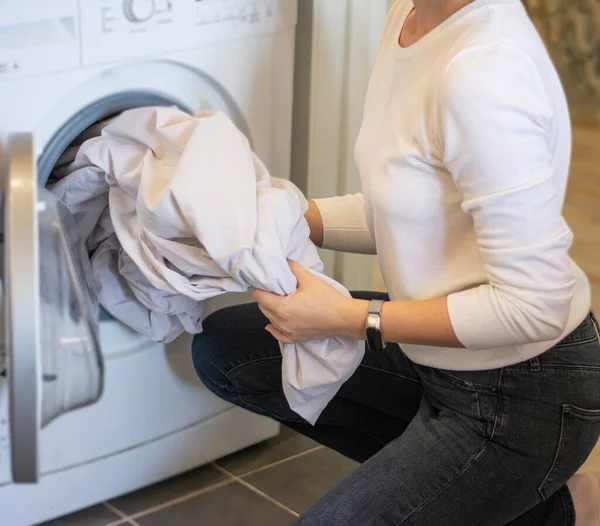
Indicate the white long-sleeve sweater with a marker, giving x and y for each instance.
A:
(464, 156)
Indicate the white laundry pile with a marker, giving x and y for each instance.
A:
(176, 210)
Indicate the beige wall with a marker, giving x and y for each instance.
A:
(571, 29)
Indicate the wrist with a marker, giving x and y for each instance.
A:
(354, 316)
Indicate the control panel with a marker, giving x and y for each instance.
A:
(236, 13)
(37, 36)
(133, 28)
(131, 16)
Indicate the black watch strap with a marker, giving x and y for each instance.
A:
(375, 340)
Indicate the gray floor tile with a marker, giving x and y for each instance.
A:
(300, 482)
(285, 445)
(168, 490)
(232, 505)
(96, 516)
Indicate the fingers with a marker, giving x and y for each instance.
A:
(258, 294)
(267, 300)
(300, 271)
(278, 335)
(266, 313)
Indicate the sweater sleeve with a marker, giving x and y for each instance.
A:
(496, 123)
(345, 224)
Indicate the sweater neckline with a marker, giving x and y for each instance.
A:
(426, 40)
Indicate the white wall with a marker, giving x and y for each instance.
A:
(336, 48)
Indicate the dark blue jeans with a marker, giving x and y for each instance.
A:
(438, 448)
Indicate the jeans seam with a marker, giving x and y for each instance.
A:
(370, 367)
(568, 506)
(565, 367)
(498, 395)
(441, 490)
(208, 381)
(581, 341)
(264, 412)
(479, 410)
(596, 327)
(541, 491)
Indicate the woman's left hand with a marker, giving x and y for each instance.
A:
(316, 311)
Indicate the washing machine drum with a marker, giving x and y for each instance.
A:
(54, 363)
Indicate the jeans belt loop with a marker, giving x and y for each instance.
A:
(534, 365)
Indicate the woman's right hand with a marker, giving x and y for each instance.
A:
(315, 222)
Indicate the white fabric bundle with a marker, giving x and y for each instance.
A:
(176, 210)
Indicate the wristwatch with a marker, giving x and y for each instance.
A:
(375, 341)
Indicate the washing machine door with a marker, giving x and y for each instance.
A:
(50, 323)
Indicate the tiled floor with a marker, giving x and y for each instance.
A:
(267, 485)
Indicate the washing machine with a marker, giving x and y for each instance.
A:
(90, 410)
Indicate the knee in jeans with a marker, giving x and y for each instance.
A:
(235, 355)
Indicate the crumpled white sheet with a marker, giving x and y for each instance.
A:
(176, 210)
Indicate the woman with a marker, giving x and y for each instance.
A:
(490, 403)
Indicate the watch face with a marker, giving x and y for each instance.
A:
(373, 340)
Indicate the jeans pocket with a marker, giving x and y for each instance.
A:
(579, 432)
(473, 395)
(483, 381)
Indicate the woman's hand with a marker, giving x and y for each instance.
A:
(316, 311)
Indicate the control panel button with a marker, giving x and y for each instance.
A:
(138, 10)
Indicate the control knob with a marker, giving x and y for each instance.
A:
(138, 10)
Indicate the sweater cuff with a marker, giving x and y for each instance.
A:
(345, 225)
